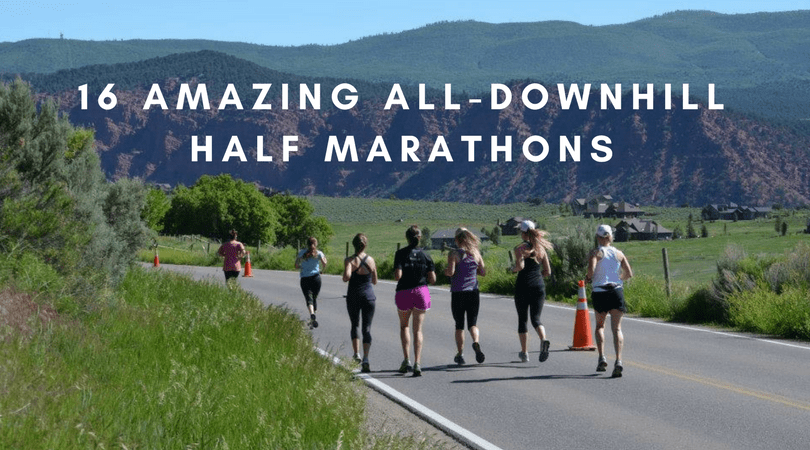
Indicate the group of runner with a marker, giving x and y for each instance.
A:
(414, 270)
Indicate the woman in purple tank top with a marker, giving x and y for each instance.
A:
(464, 264)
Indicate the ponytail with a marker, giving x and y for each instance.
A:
(312, 248)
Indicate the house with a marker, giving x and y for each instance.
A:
(641, 230)
(623, 210)
(595, 210)
(447, 238)
(732, 211)
(510, 228)
(578, 206)
(604, 206)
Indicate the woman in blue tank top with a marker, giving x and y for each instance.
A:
(463, 266)
(311, 262)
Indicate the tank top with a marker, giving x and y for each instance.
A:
(466, 276)
(360, 286)
(607, 270)
(310, 266)
(531, 274)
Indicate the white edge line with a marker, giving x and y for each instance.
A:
(459, 433)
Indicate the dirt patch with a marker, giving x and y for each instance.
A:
(21, 315)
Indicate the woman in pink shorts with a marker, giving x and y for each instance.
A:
(413, 270)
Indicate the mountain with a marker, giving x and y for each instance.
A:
(760, 62)
(657, 156)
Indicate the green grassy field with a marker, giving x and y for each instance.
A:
(692, 261)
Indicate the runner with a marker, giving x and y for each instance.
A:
(311, 261)
(233, 251)
(413, 270)
(532, 265)
(608, 268)
(360, 271)
(463, 266)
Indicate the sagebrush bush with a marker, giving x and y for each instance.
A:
(762, 310)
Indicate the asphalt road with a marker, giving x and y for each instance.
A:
(683, 387)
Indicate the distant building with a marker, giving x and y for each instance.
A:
(604, 206)
(641, 230)
(510, 228)
(447, 238)
(732, 211)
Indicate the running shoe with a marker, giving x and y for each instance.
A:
(365, 367)
(405, 367)
(479, 355)
(544, 350)
(459, 359)
(356, 358)
(524, 357)
(417, 370)
(617, 370)
(602, 365)
(312, 322)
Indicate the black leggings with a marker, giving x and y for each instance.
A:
(311, 287)
(355, 308)
(465, 302)
(529, 304)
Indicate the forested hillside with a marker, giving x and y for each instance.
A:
(660, 156)
(760, 62)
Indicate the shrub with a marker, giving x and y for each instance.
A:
(761, 310)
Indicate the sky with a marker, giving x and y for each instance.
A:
(324, 22)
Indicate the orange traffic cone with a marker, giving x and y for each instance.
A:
(248, 269)
(157, 261)
(583, 339)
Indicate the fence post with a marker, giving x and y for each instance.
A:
(666, 272)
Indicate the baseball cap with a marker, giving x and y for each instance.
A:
(526, 225)
(604, 231)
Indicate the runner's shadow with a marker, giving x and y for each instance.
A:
(593, 376)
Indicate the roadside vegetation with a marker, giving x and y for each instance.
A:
(96, 352)
(745, 275)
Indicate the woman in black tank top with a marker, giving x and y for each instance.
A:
(360, 271)
(531, 265)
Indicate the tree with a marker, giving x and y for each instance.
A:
(425, 240)
(296, 223)
(704, 232)
(155, 209)
(215, 205)
(690, 228)
(73, 218)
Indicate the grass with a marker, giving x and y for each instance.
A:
(168, 362)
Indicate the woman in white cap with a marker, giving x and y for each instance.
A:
(607, 270)
(531, 265)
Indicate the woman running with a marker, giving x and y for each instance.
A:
(531, 265)
(233, 251)
(413, 270)
(608, 268)
(311, 261)
(360, 271)
(463, 266)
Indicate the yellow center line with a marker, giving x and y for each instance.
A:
(729, 387)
